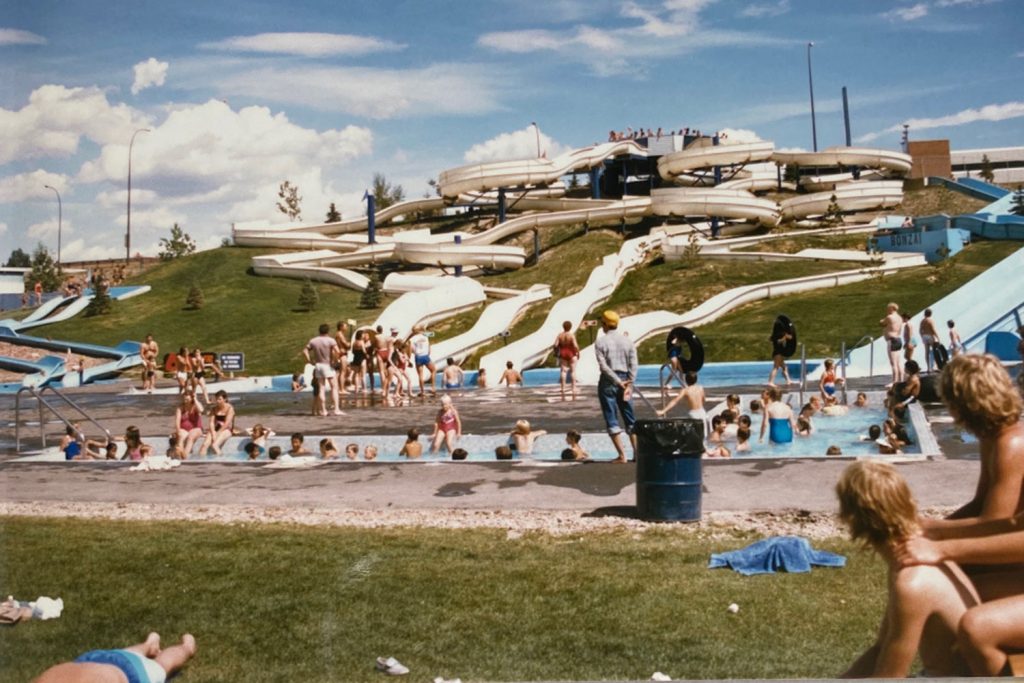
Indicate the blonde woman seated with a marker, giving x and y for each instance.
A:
(925, 603)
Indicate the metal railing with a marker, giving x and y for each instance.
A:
(1014, 314)
(37, 393)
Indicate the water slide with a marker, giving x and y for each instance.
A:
(865, 157)
(532, 349)
(994, 222)
(381, 217)
(853, 196)
(644, 325)
(972, 306)
(51, 311)
(676, 165)
(488, 176)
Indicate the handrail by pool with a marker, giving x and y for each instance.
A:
(37, 394)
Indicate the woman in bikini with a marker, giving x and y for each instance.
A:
(188, 421)
(222, 423)
(568, 351)
(199, 374)
(358, 364)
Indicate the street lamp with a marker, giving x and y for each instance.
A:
(810, 85)
(128, 232)
(536, 129)
(60, 218)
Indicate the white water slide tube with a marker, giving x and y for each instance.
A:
(855, 196)
(699, 157)
(352, 225)
(974, 306)
(727, 203)
(866, 157)
(450, 296)
(532, 349)
(642, 326)
(482, 177)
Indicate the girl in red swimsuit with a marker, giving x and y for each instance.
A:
(568, 353)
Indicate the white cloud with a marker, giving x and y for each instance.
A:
(117, 198)
(31, 185)
(44, 230)
(57, 117)
(966, 3)
(13, 36)
(449, 89)
(990, 112)
(79, 250)
(147, 74)
(772, 9)
(653, 32)
(305, 44)
(519, 144)
(3, 228)
(911, 13)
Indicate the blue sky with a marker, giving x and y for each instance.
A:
(242, 95)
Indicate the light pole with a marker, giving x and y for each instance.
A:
(536, 129)
(128, 231)
(810, 85)
(60, 218)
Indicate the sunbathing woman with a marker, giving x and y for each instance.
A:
(982, 399)
(925, 603)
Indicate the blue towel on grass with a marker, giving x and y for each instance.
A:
(786, 553)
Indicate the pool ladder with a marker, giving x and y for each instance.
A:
(37, 394)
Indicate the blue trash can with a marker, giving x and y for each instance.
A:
(669, 477)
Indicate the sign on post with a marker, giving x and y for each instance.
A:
(232, 362)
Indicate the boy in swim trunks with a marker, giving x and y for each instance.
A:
(452, 375)
(420, 343)
(146, 662)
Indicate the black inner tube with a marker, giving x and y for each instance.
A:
(783, 326)
(687, 340)
(940, 355)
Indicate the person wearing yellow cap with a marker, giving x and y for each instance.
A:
(616, 357)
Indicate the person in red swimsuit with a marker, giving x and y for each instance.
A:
(568, 351)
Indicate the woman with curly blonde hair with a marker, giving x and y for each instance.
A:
(926, 602)
(981, 397)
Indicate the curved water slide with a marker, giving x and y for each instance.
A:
(532, 349)
(449, 296)
(726, 203)
(855, 196)
(352, 225)
(498, 316)
(488, 176)
(642, 326)
(697, 157)
(866, 157)
(73, 305)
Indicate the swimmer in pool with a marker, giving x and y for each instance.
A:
(828, 382)
(522, 437)
(412, 448)
(779, 416)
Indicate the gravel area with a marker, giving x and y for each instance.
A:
(713, 525)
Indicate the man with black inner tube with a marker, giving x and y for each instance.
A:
(616, 357)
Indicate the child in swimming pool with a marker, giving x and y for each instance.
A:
(252, 450)
(412, 448)
(828, 382)
(328, 451)
(572, 440)
(447, 426)
(522, 437)
(174, 449)
(352, 451)
(861, 400)
(743, 437)
(297, 448)
(370, 452)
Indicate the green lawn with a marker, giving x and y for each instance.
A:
(283, 603)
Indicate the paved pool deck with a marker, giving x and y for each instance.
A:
(595, 488)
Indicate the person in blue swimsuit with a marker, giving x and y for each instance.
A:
(146, 662)
(778, 420)
(71, 444)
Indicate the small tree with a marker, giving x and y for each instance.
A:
(309, 297)
(179, 244)
(792, 173)
(384, 193)
(19, 259)
(986, 172)
(833, 214)
(194, 301)
(100, 303)
(290, 204)
(44, 270)
(1017, 204)
(333, 215)
(691, 252)
(373, 295)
